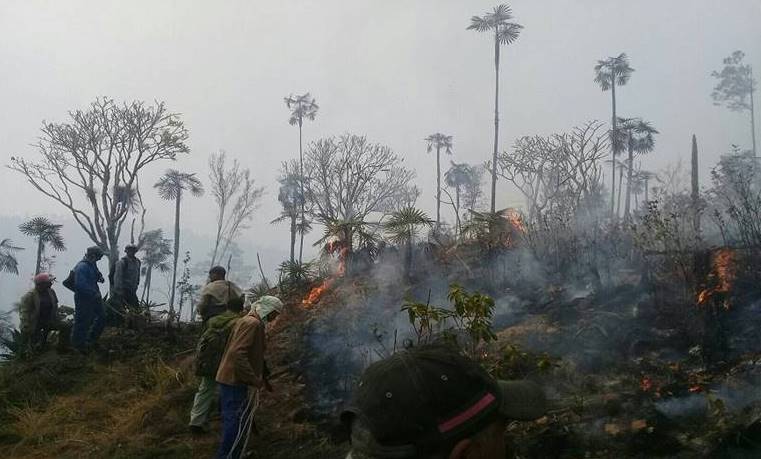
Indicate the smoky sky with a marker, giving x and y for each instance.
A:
(394, 70)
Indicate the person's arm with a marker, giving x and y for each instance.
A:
(249, 354)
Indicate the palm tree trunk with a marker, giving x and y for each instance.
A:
(752, 116)
(620, 181)
(457, 208)
(176, 253)
(629, 181)
(613, 148)
(293, 238)
(438, 187)
(301, 182)
(147, 286)
(40, 246)
(647, 190)
(496, 123)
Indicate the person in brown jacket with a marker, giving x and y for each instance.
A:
(38, 312)
(241, 374)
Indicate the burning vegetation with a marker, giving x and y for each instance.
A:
(635, 306)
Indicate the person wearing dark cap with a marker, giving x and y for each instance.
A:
(216, 294)
(89, 316)
(433, 402)
(127, 276)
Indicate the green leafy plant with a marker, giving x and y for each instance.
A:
(469, 318)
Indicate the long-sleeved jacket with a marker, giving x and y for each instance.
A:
(86, 277)
(127, 274)
(29, 309)
(243, 361)
(215, 296)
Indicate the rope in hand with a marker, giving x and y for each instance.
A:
(244, 428)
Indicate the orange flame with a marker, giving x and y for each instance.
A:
(332, 247)
(316, 293)
(722, 276)
(515, 219)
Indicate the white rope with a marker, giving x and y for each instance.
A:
(244, 428)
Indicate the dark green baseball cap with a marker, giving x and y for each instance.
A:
(420, 399)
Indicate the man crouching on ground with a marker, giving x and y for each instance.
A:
(431, 402)
(241, 375)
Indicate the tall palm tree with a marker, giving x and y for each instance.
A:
(302, 107)
(456, 177)
(505, 32)
(439, 141)
(609, 73)
(156, 251)
(638, 137)
(289, 196)
(46, 232)
(8, 260)
(171, 186)
(403, 226)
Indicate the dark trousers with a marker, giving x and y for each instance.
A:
(89, 321)
(130, 297)
(232, 404)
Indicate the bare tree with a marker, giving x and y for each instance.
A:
(348, 177)
(237, 198)
(556, 170)
(735, 89)
(90, 165)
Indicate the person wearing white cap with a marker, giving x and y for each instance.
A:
(242, 373)
(38, 314)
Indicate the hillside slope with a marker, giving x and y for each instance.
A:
(131, 399)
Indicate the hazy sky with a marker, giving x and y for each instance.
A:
(395, 70)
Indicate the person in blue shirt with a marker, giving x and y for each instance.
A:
(89, 315)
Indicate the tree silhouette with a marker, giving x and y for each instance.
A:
(610, 73)
(156, 252)
(638, 137)
(8, 260)
(46, 232)
(90, 164)
(171, 186)
(439, 141)
(302, 107)
(458, 177)
(735, 89)
(505, 32)
(290, 198)
(403, 226)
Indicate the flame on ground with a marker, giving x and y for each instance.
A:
(316, 293)
(721, 277)
(332, 247)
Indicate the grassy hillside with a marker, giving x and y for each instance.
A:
(131, 399)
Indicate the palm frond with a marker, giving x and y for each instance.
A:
(508, 33)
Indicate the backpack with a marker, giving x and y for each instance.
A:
(70, 280)
(211, 346)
